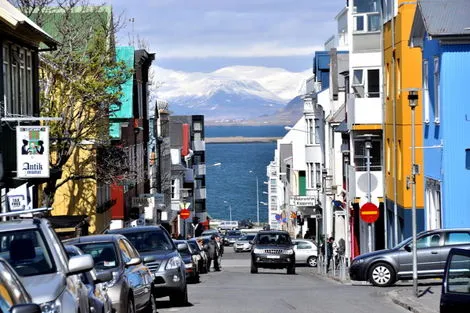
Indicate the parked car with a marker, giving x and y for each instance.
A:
(455, 294)
(228, 225)
(231, 237)
(385, 267)
(99, 300)
(243, 244)
(306, 252)
(203, 261)
(190, 259)
(33, 249)
(273, 249)
(162, 257)
(14, 298)
(210, 232)
(131, 289)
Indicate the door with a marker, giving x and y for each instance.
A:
(429, 254)
(455, 295)
(454, 239)
(134, 274)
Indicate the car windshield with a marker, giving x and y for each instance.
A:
(103, 253)
(150, 241)
(194, 245)
(27, 252)
(247, 237)
(274, 239)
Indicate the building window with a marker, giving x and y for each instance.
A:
(366, 83)
(310, 131)
(387, 87)
(398, 79)
(467, 159)
(310, 175)
(426, 91)
(389, 159)
(197, 126)
(197, 136)
(399, 161)
(375, 155)
(317, 175)
(17, 80)
(317, 131)
(437, 87)
(173, 189)
(366, 22)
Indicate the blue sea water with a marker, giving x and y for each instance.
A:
(232, 181)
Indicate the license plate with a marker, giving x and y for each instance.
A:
(273, 256)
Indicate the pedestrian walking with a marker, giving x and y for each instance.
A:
(329, 252)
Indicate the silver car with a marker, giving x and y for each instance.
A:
(131, 288)
(33, 249)
(305, 252)
(244, 243)
(384, 267)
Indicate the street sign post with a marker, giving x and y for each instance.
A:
(369, 212)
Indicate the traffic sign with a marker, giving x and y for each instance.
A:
(369, 212)
(185, 213)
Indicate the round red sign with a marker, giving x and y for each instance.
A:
(369, 212)
(185, 213)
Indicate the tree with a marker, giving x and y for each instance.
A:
(79, 82)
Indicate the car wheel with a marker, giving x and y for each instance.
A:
(130, 306)
(382, 275)
(312, 261)
(291, 269)
(180, 298)
(152, 305)
(254, 268)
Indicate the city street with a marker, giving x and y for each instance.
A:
(235, 290)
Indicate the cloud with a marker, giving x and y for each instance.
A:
(229, 28)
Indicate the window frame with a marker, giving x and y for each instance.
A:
(437, 90)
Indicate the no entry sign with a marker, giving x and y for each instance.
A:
(185, 213)
(369, 212)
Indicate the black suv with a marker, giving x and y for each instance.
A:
(272, 249)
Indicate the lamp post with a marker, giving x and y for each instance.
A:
(413, 103)
(257, 199)
(368, 146)
(230, 210)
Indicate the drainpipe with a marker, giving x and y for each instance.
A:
(384, 139)
(394, 116)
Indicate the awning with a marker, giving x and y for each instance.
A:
(342, 127)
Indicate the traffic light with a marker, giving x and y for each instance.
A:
(300, 220)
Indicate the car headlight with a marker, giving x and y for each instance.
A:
(256, 250)
(174, 262)
(288, 251)
(51, 306)
(358, 261)
(188, 265)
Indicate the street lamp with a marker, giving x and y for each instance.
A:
(413, 103)
(230, 210)
(257, 198)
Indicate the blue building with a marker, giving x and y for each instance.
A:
(441, 30)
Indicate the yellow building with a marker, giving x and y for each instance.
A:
(402, 72)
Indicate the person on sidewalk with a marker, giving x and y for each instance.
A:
(329, 252)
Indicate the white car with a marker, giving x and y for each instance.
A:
(306, 252)
(244, 243)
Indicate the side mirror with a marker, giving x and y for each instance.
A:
(26, 308)
(103, 276)
(181, 247)
(149, 258)
(134, 261)
(407, 248)
(80, 264)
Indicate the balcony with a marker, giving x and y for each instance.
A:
(199, 145)
(363, 110)
(200, 194)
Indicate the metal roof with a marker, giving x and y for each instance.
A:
(442, 18)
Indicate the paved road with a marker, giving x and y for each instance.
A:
(235, 290)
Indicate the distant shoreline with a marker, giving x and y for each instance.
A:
(240, 139)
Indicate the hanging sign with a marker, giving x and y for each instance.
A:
(32, 151)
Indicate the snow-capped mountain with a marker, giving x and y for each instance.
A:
(229, 93)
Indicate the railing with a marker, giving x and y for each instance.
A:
(339, 266)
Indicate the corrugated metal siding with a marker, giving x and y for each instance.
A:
(444, 17)
(455, 107)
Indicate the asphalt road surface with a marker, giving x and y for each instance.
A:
(235, 290)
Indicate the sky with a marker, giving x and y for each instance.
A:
(205, 35)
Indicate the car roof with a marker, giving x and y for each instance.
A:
(136, 229)
(273, 232)
(94, 238)
(23, 223)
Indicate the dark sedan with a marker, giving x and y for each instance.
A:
(385, 267)
(231, 237)
(190, 259)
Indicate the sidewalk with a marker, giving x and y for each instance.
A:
(402, 293)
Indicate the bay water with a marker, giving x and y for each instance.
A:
(233, 183)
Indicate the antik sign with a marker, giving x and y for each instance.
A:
(32, 151)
